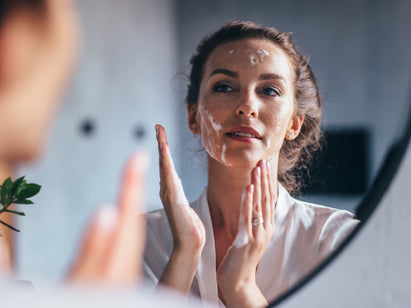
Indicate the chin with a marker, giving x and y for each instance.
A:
(240, 161)
(28, 152)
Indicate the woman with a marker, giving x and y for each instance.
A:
(37, 51)
(255, 102)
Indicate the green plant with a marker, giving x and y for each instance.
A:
(17, 192)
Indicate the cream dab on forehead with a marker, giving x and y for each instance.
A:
(258, 56)
(255, 56)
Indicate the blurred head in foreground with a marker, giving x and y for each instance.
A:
(38, 39)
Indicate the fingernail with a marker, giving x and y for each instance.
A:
(106, 218)
(156, 127)
(251, 188)
(258, 172)
(141, 160)
(263, 165)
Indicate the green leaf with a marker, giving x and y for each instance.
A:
(24, 202)
(15, 212)
(28, 191)
(16, 185)
(6, 192)
(20, 188)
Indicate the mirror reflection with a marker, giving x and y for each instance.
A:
(261, 221)
(254, 101)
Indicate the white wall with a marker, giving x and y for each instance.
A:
(123, 80)
(375, 269)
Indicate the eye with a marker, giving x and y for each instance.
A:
(270, 91)
(222, 88)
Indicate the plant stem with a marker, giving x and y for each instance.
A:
(15, 212)
(7, 225)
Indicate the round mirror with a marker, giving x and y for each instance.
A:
(126, 82)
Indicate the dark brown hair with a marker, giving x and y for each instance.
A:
(296, 154)
(8, 7)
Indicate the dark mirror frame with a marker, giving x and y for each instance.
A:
(369, 203)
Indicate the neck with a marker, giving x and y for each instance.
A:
(224, 193)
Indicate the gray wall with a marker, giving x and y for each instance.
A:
(360, 52)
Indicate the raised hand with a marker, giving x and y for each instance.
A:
(236, 274)
(112, 248)
(186, 227)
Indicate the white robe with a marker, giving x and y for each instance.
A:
(305, 234)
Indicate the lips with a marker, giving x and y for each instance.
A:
(243, 133)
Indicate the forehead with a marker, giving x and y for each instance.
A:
(252, 55)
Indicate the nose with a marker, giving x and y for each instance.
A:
(248, 106)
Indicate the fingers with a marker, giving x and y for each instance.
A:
(95, 242)
(263, 205)
(165, 160)
(265, 194)
(170, 184)
(246, 209)
(129, 234)
(164, 165)
(112, 248)
(256, 181)
(273, 195)
(132, 191)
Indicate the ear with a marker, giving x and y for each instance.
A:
(294, 128)
(193, 125)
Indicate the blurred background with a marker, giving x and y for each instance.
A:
(131, 75)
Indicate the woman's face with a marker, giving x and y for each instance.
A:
(245, 107)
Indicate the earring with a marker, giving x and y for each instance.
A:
(289, 136)
(195, 129)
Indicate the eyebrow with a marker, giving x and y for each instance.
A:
(235, 75)
(272, 76)
(223, 71)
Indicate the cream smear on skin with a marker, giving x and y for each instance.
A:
(216, 127)
(242, 236)
(258, 56)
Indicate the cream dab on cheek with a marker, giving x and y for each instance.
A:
(210, 129)
(216, 125)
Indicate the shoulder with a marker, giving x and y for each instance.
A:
(157, 227)
(323, 225)
(158, 244)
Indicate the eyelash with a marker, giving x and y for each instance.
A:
(217, 88)
(228, 88)
(277, 92)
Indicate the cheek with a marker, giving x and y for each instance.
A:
(277, 120)
(211, 129)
